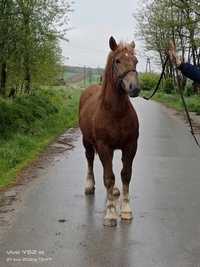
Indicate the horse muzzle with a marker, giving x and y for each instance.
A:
(134, 91)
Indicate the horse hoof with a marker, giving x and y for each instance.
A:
(89, 190)
(126, 216)
(116, 192)
(110, 222)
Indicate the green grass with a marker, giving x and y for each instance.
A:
(174, 101)
(30, 123)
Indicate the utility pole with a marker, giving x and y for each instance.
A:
(148, 65)
(90, 75)
(98, 74)
(84, 74)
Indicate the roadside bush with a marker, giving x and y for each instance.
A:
(198, 111)
(168, 86)
(148, 81)
(193, 103)
(19, 114)
(189, 90)
(29, 123)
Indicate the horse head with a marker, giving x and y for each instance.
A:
(124, 64)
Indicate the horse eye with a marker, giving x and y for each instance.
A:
(117, 61)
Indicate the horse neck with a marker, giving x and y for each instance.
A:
(113, 100)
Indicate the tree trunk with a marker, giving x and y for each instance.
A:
(27, 59)
(194, 56)
(27, 79)
(3, 79)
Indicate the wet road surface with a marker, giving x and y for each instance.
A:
(63, 227)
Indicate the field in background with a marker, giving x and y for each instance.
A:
(82, 75)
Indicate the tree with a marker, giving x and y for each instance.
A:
(7, 38)
(162, 20)
(29, 32)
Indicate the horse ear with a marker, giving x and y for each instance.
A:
(112, 43)
(133, 44)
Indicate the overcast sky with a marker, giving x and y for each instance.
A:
(93, 22)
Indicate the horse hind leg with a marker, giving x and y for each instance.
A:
(90, 181)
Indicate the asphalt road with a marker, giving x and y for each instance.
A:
(62, 227)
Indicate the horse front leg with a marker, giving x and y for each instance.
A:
(127, 159)
(106, 157)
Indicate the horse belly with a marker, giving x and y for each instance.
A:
(127, 137)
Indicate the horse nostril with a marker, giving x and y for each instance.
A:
(131, 87)
(134, 91)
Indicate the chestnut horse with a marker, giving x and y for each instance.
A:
(108, 122)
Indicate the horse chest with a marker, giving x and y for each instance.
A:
(116, 132)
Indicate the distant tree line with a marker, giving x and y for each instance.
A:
(179, 20)
(29, 42)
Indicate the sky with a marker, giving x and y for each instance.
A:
(93, 22)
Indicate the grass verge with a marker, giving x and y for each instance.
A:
(174, 101)
(29, 123)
